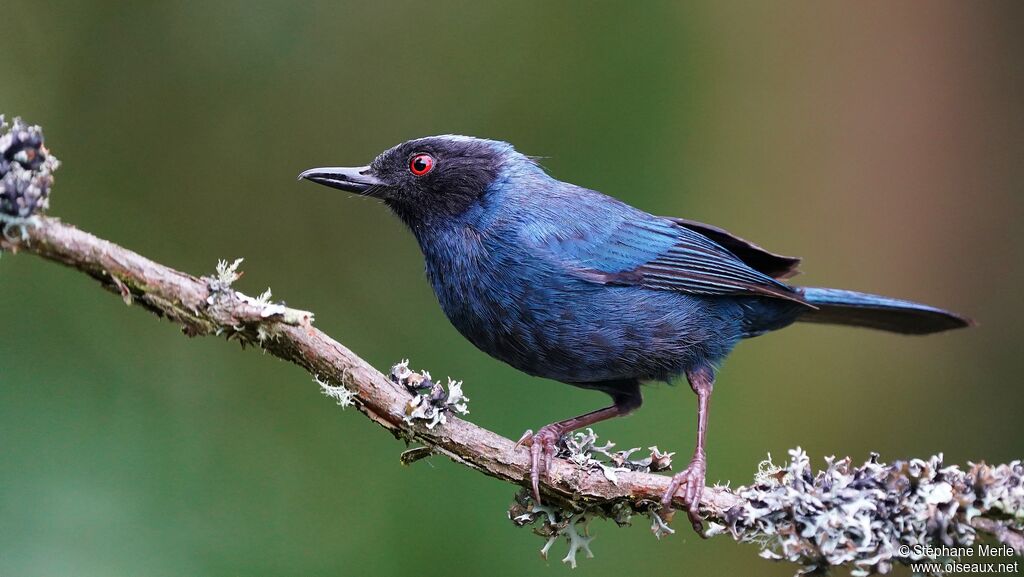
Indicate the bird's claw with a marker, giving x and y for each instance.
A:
(692, 481)
(543, 446)
(526, 440)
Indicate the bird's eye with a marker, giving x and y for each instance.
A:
(421, 164)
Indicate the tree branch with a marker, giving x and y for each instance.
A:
(208, 306)
(869, 515)
(202, 310)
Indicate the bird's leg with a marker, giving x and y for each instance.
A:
(702, 380)
(544, 443)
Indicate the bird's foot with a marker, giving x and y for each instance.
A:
(543, 445)
(692, 480)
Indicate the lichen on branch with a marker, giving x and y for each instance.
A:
(26, 175)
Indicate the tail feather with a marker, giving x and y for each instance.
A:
(843, 307)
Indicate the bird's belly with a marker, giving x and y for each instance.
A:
(588, 333)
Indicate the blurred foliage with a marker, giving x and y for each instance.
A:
(881, 141)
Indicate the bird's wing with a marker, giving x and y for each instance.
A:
(774, 265)
(641, 250)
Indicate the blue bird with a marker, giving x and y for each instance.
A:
(569, 284)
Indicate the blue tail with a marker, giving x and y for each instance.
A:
(842, 307)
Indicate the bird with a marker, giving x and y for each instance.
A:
(569, 284)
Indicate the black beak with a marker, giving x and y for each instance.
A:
(359, 179)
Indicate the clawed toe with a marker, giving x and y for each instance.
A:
(543, 446)
(526, 440)
(691, 480)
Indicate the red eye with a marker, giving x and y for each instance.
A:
(421, 164)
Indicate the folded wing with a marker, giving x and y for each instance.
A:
(671, 254)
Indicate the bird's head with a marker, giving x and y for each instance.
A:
(427, 178)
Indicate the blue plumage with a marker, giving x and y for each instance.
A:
(531, 287)
(566, 283)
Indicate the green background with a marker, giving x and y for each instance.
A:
(881, 141)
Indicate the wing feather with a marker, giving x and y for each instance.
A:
(665, 254)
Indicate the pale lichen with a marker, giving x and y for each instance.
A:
(222, 293)
(227, 274)
(344, 396)
(431, 402)
(583, 449)
(267, 307)
(26, 176)
(658, 526)
(873, 515)
(559, 523)
(869, 517)
(579, 538)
